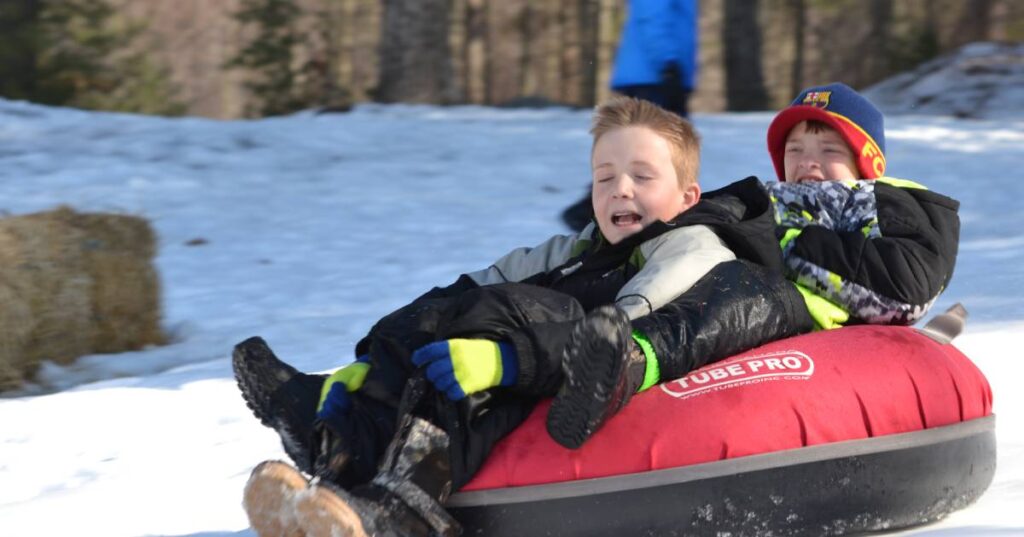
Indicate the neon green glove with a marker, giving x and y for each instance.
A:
(334, 397)
(459, 367)
(826, 314)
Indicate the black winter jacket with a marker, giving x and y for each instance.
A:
(738, 305)
(882, 250)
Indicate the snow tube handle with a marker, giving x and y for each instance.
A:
(946, 326)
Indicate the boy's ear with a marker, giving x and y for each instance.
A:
(691, 195)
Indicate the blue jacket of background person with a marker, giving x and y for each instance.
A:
(657, 32)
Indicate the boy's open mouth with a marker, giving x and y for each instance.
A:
(626, 219)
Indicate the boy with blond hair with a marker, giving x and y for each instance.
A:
(437, 383)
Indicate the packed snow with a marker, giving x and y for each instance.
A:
(317, 225)
(978, 80)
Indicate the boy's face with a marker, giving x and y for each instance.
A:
(635, 182)
(817, 156)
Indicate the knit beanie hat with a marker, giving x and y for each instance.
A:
(840, 107)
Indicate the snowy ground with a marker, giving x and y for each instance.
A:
(318, 225)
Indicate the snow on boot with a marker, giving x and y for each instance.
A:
(281, 397)
(269, 499)
(325, 510)
(404, 499)
(603, 368)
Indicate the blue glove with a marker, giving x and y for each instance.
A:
(459, 367)
(334, 395)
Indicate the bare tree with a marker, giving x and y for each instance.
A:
(589, 14)
(607, 37)
(457, 46)
(505, 50)
(528, 25)
(798, 10)
(875, 64)
(475, 52)
(744, 81)
(20, 48)
(572, 53)
(367, 17)
(551, 69)
(415, 59)
(975, 22)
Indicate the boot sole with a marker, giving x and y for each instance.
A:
(269, 499)
(576, 411)
(253, 362)
(323, 513)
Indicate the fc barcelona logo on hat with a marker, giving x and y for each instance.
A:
(817, 99)
(837, 105)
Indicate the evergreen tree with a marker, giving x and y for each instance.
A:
(19, 47)
(93, 60)
(76, 41)
(79, 53)
(143, 86)
(270, 55)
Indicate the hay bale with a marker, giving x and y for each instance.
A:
(73, 284)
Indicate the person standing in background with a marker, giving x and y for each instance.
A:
(657, 56)
(657, 62)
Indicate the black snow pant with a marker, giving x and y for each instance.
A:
(735, 307)
(533, 316)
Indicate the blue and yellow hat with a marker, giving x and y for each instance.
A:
(840, 107)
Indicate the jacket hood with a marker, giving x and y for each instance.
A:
(741, 215)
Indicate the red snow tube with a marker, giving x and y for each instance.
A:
(857, 429)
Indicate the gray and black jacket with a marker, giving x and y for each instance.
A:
(739, 301)
(738, 304)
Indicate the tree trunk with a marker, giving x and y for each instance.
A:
(551, 60)
(744, 81)
(457, 47)
(415, 61)
(504, 50)
(328, 68)
(19, 48)
(588, 23)
(475, 52)
(798, 8)
(975, 22)
(606, 39)
(571, 52)
(346, 44)
(366, 44)
(876, 65)
(527, 25)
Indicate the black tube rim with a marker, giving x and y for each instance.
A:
(752, 463)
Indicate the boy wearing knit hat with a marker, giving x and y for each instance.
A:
(834, 112)
(861, 247)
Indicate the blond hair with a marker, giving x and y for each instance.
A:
(682, 138)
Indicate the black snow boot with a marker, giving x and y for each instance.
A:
(281, 397)
(404, 499)
(603, 368)
(344, 454)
